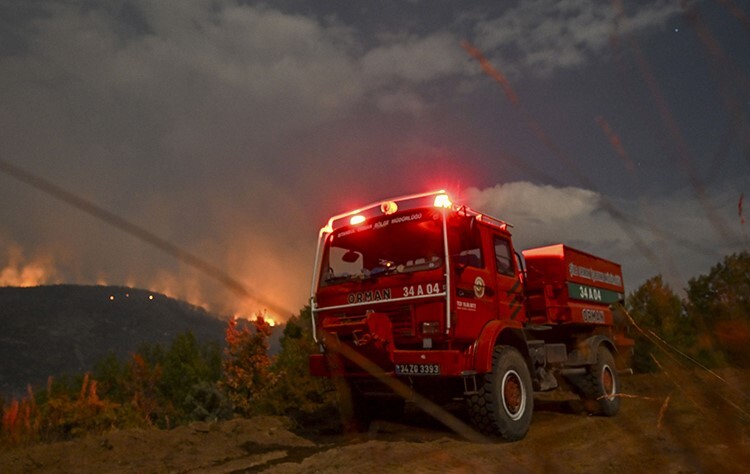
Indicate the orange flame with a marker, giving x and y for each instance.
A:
(18, 271)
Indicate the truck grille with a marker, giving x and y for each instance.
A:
(402, 322)
(400, 319)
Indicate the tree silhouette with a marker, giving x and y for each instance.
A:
(720, 303)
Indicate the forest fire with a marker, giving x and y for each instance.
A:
(258, 316)
(18, 271)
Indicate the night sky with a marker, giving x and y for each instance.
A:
(234, 129)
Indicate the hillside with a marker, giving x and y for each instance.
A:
(66, 329)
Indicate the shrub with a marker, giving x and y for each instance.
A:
(206, 402)
(295, 393)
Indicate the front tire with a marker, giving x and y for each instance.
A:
(504, 403)
(358, 411)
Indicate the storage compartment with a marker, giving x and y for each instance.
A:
(566, 285)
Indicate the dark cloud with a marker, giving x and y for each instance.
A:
(541, 36)
(233, 129)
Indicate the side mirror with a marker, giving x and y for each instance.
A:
(463, 260)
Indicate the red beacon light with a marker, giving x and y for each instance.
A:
(442, 200)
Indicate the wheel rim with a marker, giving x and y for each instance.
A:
(513, 395)
(608, 382)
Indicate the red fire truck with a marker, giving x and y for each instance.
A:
(434, 294)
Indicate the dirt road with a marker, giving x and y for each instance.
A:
(689, 422)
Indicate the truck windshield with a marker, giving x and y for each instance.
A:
(393, 244)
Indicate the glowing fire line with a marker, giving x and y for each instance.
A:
(139, 232)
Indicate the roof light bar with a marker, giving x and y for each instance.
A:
(385, 207)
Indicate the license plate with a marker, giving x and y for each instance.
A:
(418, 369)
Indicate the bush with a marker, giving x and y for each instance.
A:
(61, 412)
(206, 402)
(295, 393)
(158, 384)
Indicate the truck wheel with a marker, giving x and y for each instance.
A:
(504, 403)
(600, 386)
(358, 410)
(345, 405)
(353, 408)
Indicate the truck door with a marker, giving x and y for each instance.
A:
(473, 283)
(508, 283)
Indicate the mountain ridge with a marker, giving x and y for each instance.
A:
(66, 329)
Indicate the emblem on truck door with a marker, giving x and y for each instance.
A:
(478, 287)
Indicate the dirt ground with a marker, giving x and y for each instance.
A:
(681, 422)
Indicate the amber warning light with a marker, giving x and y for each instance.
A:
(388, 208)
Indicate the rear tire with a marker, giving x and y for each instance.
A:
(599, 388)
(504, 403)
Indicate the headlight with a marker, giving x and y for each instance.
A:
(430, 327)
